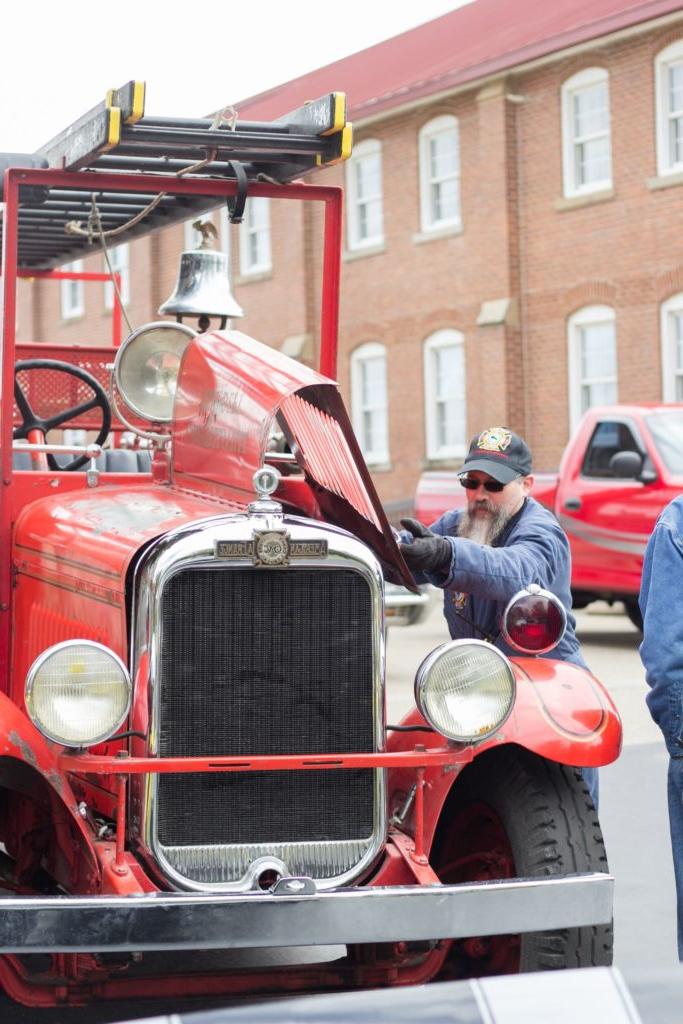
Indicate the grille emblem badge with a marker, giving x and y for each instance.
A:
(271, 547)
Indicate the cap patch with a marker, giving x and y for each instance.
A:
(494, 439)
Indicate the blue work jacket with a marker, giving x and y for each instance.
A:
(662, 606)
(481, 579)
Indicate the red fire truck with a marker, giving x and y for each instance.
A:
(195, 765)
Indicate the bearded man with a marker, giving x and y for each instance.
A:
(500, 543)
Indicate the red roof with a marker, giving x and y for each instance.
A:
(470, 43)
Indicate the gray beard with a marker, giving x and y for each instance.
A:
(483, 529)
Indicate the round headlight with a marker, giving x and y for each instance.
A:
(78, 693)
(147, 366)
(534, 621)
(465, 689)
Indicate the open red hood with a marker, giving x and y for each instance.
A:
(230, 390)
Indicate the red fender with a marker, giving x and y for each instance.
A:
(561, 712)
(21, 741)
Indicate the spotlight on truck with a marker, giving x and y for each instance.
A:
(147, 366)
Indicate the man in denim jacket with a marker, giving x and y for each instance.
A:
(662, 655)
(503, 541)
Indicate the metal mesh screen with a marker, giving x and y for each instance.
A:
(265, 662)
(50, 392)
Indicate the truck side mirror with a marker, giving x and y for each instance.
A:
(626, 465)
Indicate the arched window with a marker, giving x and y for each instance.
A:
(586, 143)
(592, 344)
(364, 204)
(440, 174)
(669, 103)
(444, 390)
(672, 348)
(369, 407)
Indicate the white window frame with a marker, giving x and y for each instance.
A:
(577, 83)
(672, 54)
(256, 221)
(366, 150)
(372, 350)
(588, 316)
(72, 293)
(668, 309)
(442, 125)
(119, 257)
(446, 338)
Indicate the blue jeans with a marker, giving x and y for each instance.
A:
(675, 794)
(590, 777)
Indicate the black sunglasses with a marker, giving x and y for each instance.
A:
(493, 486)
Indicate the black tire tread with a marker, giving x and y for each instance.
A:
(553, 829)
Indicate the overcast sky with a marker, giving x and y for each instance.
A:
(60, 58)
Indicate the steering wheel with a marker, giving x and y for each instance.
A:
(30, 421)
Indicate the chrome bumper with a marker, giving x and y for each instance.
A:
(65, 924)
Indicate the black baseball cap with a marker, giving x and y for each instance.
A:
(500, 453)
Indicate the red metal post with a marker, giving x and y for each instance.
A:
(120, 859)
(329, 315)
(116, 314)
(92, 764)
(419, 854)
(7, 342)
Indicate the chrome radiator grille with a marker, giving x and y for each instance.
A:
(265, 662)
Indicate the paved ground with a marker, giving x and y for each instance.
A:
(633, 803)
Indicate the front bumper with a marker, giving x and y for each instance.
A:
(172, 921)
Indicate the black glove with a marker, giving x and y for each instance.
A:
(428, 552)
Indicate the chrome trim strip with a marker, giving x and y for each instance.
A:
(194, 548)
(66, 924)
(612, 540)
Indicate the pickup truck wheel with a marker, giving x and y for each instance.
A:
(513, 814)
(633, 611)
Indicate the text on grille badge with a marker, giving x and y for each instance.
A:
(270, 548)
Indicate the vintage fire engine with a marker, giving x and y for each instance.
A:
(195, 765)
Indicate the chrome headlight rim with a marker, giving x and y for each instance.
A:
(533, 590)
(124, 349)
(422, 678)
(29, 687)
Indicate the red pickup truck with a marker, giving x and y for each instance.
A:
(621, 467)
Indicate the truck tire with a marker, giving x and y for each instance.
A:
(514, 814)
(633, 611)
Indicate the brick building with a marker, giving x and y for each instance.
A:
(513, 249)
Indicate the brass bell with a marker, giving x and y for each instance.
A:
(203, 285)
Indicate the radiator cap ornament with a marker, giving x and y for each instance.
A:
(265, 481)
